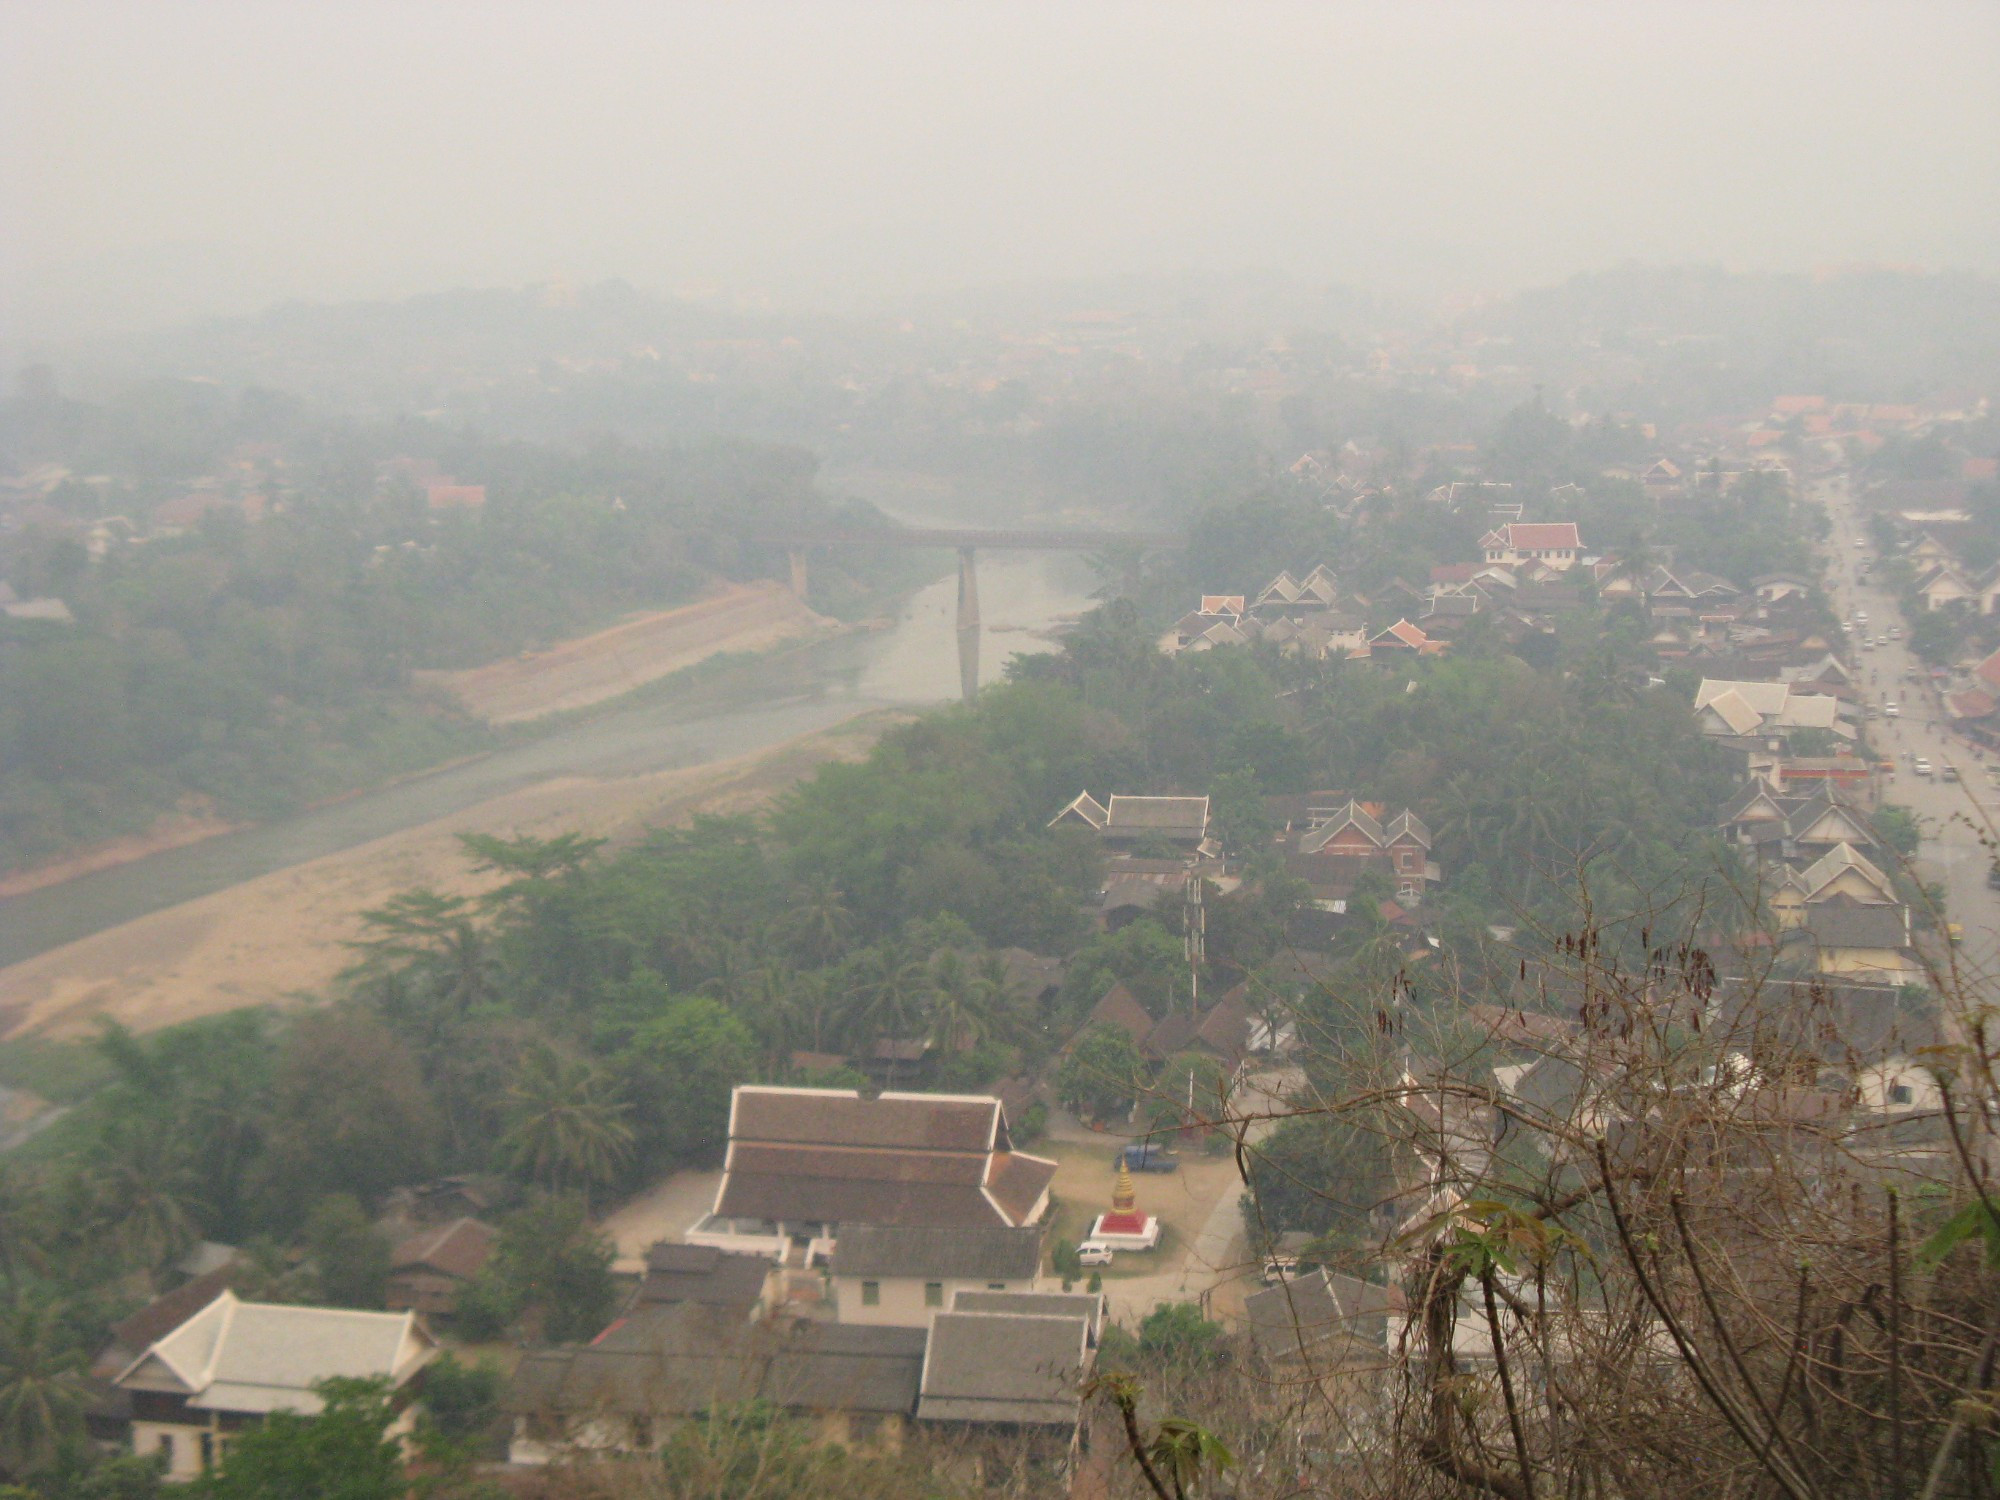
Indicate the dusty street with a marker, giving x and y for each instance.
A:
(1954, 815)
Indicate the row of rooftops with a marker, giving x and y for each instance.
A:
(1016, 1358)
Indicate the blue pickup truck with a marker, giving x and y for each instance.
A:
(1147, 1158)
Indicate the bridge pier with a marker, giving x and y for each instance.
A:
(968, 625)
(968, 591)
(796, 556)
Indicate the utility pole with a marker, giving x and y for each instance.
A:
(1194, 922)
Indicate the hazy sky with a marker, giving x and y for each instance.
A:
(175, 156)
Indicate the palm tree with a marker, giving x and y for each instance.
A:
(568, 1126)
(820, 922)
(465, 964)
(23, 1230)
(887, 989)
(956, 1020)
(1005, 1008)
(42, 1391)
(142, 1190)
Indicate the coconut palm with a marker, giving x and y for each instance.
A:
(886, 990)
(42, 1391)
(819, 923)
(955, 1015)
(24, 1230)
(142, 1190)
(567, 1126)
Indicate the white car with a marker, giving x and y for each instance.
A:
(1093, 1253)
(1923, 766)
(1890, 711)
(1861, 617)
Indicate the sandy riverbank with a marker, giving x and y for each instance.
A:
(174, 831)
(278, 936)
(594, 668)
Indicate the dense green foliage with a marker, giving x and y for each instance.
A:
(248, 667)
(341, 1453)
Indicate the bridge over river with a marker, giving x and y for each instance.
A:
(1132, 545)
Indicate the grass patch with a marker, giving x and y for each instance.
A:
(60, 1072)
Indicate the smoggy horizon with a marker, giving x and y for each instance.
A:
(158, 164)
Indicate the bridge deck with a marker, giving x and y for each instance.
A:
(1027, 541)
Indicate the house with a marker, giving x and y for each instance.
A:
(1788, 827)
(1749, 710)
(1404, 637)
(803, 1162)
(704, 1275)
(1554, 543)
(1120, 1009)
(234, 1363)
(1988, 584)
(1927, 552)
(445, 495)
(858, 1384)
(1854, 941)
(1020, 1369)
(1778, 588)
(1125, 822)
(1221, 1032)
(1321, 1320)
(904, 1277)
(427, 1270)
(1842, 873)
(1945, 584)
(1662, 478)
(1341, 840)
(436, 1202)
(628, 1388)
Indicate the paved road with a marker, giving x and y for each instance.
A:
(1953, 815)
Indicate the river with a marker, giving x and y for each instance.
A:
(743, 710)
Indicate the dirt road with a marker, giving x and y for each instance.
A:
(595, 668)
(274, 938)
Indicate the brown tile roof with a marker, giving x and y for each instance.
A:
(133, 1335)
(1121, 1009)
(459, 1249)
(1017, 1182)
(841, 1117)
(829, 1156)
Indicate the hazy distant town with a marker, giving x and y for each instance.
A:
(1144, 883)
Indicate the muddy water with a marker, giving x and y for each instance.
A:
(743, 710)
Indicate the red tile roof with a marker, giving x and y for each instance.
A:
(1541, 536)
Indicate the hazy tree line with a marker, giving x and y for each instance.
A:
(253, 666)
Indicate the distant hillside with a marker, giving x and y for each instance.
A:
(1704, 338)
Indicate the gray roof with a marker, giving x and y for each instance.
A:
(1087, 1305)
(1291, 1320)
(702, 1273)
(1837, 924)
(671, 1360)
(1001, 1367)
(845, 1367)
(681, 1360)
(970, 1252)
(1169, 816)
